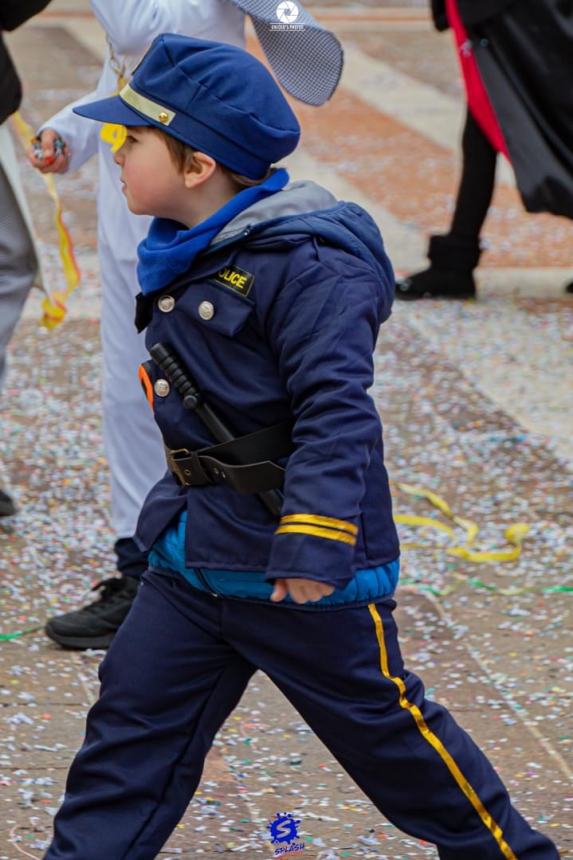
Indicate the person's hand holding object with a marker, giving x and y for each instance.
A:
(49, 153)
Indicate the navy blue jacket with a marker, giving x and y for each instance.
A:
(299, 284)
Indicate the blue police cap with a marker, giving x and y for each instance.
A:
(214, 97)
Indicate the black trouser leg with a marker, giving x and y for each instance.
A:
(477, 181)
(459, 250)
(455, 255)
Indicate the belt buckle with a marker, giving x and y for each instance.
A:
(181, 475)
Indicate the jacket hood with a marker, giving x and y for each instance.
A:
(296, 199)
(305, 209)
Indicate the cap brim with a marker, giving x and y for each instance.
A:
(113, 110)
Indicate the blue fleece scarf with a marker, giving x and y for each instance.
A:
(169, 251)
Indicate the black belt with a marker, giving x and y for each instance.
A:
(244, 464)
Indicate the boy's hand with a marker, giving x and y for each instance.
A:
(301, 590)
(49, 153)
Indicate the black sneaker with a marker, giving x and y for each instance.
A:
(7, 506)
(435, 283)
(96, 624)
(569, 288)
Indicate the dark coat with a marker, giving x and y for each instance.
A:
(299, 346)
(524, 52)
(472, 11)
(525, 57)
(13, 13)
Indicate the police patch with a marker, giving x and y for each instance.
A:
(236, 279)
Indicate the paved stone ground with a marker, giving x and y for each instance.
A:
(478, 406)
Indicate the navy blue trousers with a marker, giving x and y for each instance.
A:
(179, 665)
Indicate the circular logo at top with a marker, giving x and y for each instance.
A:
(287, 12)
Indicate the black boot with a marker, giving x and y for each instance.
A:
(96, 624)
(450, 275)
(7, 505)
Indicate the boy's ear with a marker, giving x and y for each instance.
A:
(198, 169)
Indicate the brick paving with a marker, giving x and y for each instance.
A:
(476, 406)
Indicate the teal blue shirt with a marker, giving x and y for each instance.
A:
(168, 553)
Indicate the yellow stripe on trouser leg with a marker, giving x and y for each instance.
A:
(436, 743)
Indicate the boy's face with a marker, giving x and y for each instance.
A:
(151, 182)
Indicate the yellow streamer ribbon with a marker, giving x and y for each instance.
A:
(54, 306)
(514, 535)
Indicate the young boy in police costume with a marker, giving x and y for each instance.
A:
(270, 295)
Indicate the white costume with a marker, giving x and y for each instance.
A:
(133, 446)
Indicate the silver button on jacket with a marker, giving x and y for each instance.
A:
(161, 388)
(166, 304)
(206, 310)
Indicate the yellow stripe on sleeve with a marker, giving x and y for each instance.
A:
(329, 534)
(316, 520)
(436, 743)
